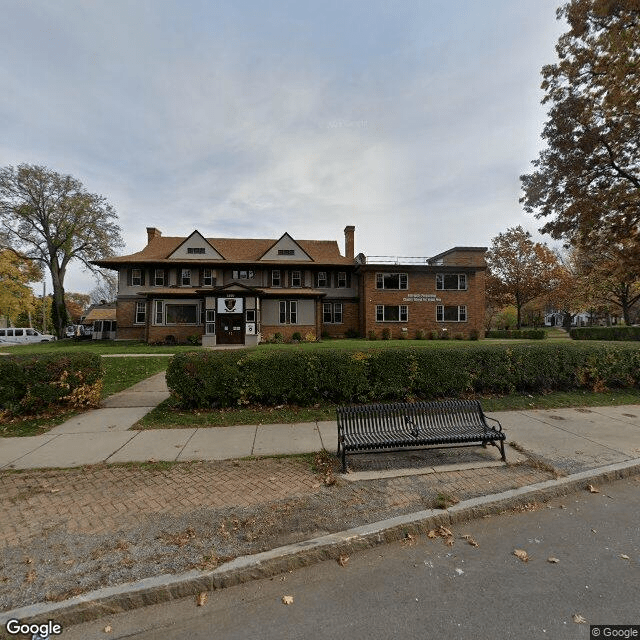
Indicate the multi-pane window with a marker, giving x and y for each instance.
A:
(392, 313)
(159, 278)
(141, 312)
(181, 313)
(244, 275)
(275, 278)
(296, 279)
(136, 277)
(185, 277)
(210, 321)
(159, 312)
(446, 313)
(392, 281)
(342, 279)
(195, 249)
(321, 279)
(207, 278)
(286, 252)
(332, 312)
(448, 281)
(288, 312)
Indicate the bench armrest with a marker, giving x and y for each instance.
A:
(494, 420)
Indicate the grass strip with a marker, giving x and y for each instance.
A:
(167, 416)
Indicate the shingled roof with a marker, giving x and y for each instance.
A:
(235, 251)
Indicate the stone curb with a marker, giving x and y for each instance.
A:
(132, 595)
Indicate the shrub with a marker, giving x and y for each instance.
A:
(372, 335)
(310, 337)
(194, 339)
(29, 384)
(324, 334)
(296, 337)
(521, 334)
(474, 334)
(458, 336)
(386, 333)
(420, 334)
(351, 333)
(605, 333)
(444, 334)
(433, 335)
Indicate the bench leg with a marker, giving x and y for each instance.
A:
(504, 458)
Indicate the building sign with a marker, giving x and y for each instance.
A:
(230, 305)
(421, 297)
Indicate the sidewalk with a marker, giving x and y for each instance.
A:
(572, 439)
(70, 523)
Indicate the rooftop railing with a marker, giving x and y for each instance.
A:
(396, 260)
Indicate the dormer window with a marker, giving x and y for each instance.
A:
(195, 249)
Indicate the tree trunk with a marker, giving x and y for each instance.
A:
(519, 321)
(58, 307)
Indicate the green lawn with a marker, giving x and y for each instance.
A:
(103, 347)
(167, 416)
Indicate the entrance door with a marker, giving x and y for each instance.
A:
(230, 328)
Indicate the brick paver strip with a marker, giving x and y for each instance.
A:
(108, 498)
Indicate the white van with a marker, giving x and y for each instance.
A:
(23, 335)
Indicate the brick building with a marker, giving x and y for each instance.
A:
(243, 291)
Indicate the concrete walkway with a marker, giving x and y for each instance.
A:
(571, 439)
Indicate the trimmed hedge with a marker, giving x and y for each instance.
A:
(219, 379)
(524, 334)
(29, 384)
(605, 333)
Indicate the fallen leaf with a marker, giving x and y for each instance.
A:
(343, 559)
(287, 599)
(409, 539)
(432, 534)
(55, 490)
(521, 554)
(578, 619)
(107, 629)
(444, 532)
(30, 577)
(592, 489)
(449, 542)
(152, 460)
(624, 556)
(201, 599)
(470, 540)
(553, 560)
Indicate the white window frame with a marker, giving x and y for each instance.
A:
(403, 280)
(462, 312)
(288, 309)
(333, 310)
(341, 281)
(462, 282)
(141, 312)
(297, 278)
(162, 279)
(158, 312)
(403, 312)
(206, 277)
(182, 303)
(276, 275)
(182, 278)
(134, 277)
(210, 321)
(323, 282)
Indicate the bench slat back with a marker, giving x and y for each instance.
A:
(406, 417)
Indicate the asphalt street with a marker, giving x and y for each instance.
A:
(424, 588)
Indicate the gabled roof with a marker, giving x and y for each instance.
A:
(196, 239)
(234, 250)
(285, 241)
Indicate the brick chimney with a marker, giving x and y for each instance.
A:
(349, 241)
(152, 233)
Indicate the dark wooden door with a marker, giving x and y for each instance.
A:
(230, 328)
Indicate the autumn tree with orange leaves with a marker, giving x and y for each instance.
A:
(520, 270)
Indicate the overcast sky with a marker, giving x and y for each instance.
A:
(411, 120)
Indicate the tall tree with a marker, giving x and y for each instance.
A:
(106, 289)
(520, 269)
(52, 219)
(586, 181)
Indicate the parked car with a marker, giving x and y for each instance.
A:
(23, 335)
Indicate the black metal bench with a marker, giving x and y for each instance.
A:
(376, 428)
